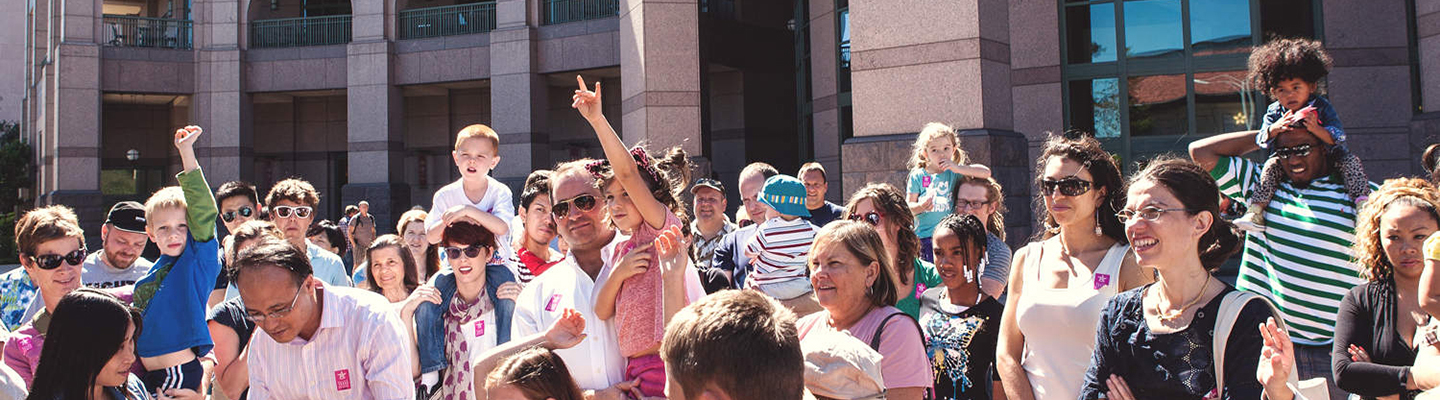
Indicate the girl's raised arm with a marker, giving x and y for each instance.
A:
(624, 167)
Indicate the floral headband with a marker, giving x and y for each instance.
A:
(642, 161)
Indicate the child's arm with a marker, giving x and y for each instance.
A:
(913, 188)
(975, 170)
(633, 263)
(626, 172)
(200, 211)
(1331, 130)
(484, 219)
(674, 266)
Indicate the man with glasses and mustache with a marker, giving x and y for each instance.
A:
(321, 341)
(1303, 261)
(292, 209)
(119, 263)
(583, 222)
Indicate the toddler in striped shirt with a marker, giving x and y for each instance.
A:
(781, 246)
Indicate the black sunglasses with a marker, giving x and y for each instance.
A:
(872, 218)
(470, 252)
(1297, 151)
(52, 261)
(583, 202)
(229, 216)
(1071, 186)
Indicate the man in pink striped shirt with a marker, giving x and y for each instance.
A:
(320, 342)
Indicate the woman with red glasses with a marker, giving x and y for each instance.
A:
(883, 207)
(1060, 282)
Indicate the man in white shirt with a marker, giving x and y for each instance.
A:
(582, 220)
(119, 263)
(320, 341)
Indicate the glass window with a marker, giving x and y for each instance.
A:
(1090, 33)
(1220, 27)
(1224, 102)
(1153, 29)
(844, 38)
(1158, 105)
(1095, 106)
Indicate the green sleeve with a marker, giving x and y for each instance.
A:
(200, 209)
(925, 273)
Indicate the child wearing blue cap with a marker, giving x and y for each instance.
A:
(781, 246)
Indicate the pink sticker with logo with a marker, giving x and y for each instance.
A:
(342, 380)
(552, 303)
(479, 328)
(1101, 280)
(919, 289)
(925, 181)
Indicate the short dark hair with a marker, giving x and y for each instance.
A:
(295, 190)
(237, 189)
(467, 233)
(741, 341)
(275, 253)
(332, 233)
(536, 184)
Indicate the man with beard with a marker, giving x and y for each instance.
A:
(119, 263)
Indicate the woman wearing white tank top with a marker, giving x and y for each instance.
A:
(1060, 284)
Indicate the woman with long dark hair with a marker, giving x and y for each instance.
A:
(90, 350)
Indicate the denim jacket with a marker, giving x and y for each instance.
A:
(1328, 119)
(430, 322)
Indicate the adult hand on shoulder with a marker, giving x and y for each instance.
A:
(425, 293)
(586, 101)
(568, 331)
(509, 291)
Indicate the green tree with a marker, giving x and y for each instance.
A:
(16, 160)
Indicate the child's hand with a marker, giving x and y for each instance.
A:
(947, 165)
(568, 331)
(672, 246)
(927, 202)
(636, 262)
(586, 101)
(509, 291)
(185, 137)
(458, 213)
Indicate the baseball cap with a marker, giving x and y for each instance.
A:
(127, 216)
(707, 182)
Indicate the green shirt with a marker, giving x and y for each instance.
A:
(925, 278)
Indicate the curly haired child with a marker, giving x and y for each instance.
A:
(1290, 71)
(643, 195)
(936, 163)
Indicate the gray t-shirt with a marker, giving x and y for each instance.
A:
(98, 274)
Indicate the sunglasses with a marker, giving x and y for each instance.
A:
(470, 252)
(246, 212)
(1071, 186)
(1297, 151)
(872, 218)
(298, 212)
(583, 202)
(52, 261)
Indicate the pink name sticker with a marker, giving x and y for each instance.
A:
(342, 380)
(552, 303)
(1101, 280)
(925, 181)
(919, 289)
(479, 328)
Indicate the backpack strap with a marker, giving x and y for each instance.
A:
(875, 340)
(1229, 312)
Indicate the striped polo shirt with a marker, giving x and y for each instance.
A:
(1303, 260)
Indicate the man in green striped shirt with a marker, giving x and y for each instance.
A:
(1303, 260)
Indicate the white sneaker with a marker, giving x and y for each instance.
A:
(1251, 222)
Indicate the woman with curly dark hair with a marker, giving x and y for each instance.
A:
(1291, 71)
(884, 208)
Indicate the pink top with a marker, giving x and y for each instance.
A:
(639, 308)
(903, 350)
(22, 348)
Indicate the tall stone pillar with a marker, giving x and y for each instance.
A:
(76, 114)
(220, 103)
(1370, 82)
(824, 99)
(517, 94)
(660, 73)
(1425, 127)
(375, 118)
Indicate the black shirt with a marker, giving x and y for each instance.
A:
(231, 313)
(1367, 318)
(960, 344)
(825, 214)
(1175, 365)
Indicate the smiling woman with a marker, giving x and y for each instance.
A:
(91, 349)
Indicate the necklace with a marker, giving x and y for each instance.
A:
(1173, 314)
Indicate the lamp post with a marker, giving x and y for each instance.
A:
(133, 155)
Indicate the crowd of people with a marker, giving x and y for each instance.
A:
(604, 282)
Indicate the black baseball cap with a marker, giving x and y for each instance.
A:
(707, 182)
(127, 216)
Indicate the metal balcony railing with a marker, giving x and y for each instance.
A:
(460, 19)
(297, 32)
(562, 11)
(132, 31)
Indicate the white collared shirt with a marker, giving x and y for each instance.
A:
(358, 353)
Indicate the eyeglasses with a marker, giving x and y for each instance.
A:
(1071, 186)
(52, 261)
(1297, 151)
(584, 203)
(229, 216)
(277, 314)
(968, 204)
(1147, 213)
(470, 252)
(298, 212)
(872, 218)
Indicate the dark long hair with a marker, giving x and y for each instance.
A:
(1081, 147)
(891, 204)
(88, 328)
(537, 372)
(1196, 190)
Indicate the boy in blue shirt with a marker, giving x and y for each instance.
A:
(172, 296)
